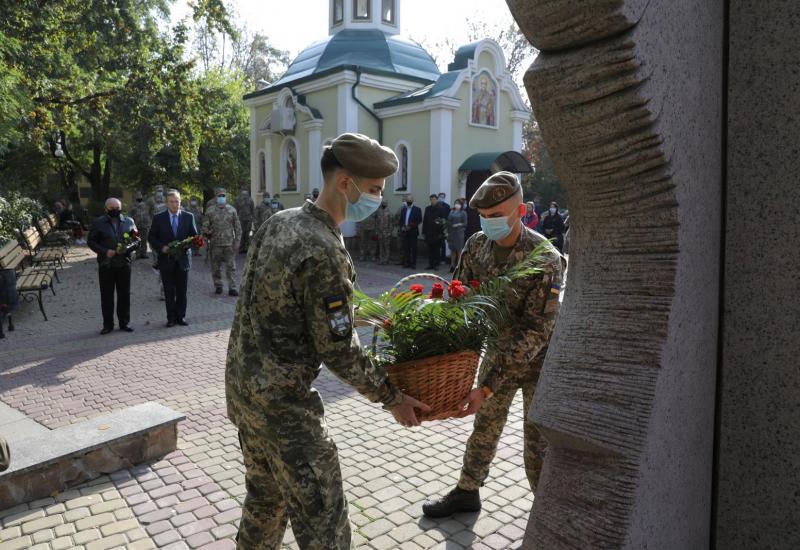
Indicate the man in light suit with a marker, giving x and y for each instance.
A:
(410, 218)
(173, 224)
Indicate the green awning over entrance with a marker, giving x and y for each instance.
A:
(510, 161)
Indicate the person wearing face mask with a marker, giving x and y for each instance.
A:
(553, 226)
(296, 312)
(246, 210)
(456, 228)
(410, 220)
(263, 212)
(315, 193)
(224, 231)
(504, 242)
(140, 213)
(114, 268)
(383, 232)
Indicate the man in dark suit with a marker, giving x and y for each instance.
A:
(446, 211)
(410, 218)
(107, 238)
(433, 231)
(173, 224)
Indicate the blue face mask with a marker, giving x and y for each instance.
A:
(495, 228)
(364, 207)
(221, 200)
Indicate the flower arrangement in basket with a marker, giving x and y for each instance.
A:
(430, 344)
(178, 248)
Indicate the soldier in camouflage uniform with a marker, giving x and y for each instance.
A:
(246, 210)
(264, 211)
(533, 304)
(296, 312)
(156, 205)
(141, 217)
(365, 230)
(383, 231)
(222, 227)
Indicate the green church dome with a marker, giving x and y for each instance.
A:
(372, 51)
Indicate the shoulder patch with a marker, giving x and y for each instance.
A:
(338, 315)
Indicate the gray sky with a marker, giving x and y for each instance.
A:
(294, 24)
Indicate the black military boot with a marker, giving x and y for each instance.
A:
(457, 500)
(233, 292)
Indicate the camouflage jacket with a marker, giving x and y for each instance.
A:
(197, 212)
(222, 226)
(365, 225)
(533, 303)
(245, 208)
(140, 212)
(263, 213)
(384, 222)
(295, 311)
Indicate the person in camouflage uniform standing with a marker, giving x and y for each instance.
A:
(222, 227)
(141, 217)
(156, 205)
(533, 304)
(366, 243)
(196, 211)
(246, 210)
(383, 231)
(295, 312)
(264, 211)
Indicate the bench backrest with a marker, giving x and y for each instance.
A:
(44, 225)
(32, 238)
(11, 256)
(52, 219)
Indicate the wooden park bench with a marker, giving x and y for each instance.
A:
(31, 280)
(39, 253)
(52, 236)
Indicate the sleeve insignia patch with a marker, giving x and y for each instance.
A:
(338, 316)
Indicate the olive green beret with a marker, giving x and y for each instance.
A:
(219, 190)
(364, 157)
(496, 189)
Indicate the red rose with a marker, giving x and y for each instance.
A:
(457, 291)
(417, 289)
(474, 283)
(387, 323)
(198, 241)
(437, 291)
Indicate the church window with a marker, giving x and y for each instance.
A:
(402, 174)
(361, 10)
(338, 11)
(289, 172)
(387, 11)
(262, 171)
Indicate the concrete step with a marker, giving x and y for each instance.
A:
(50, 462)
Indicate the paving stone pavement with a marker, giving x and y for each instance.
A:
(62, 371)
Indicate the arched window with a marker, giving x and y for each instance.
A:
(361, 10)
(290, 174)
(387, 11)
(401, 178)
(338, 11)
(262, 171)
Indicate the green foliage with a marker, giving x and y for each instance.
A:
(543, 182)
(411, 325)
(17, 212)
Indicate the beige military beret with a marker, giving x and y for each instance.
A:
(496, 189)
(364, 157)
(219, 191)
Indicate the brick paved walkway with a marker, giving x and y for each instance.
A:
(192, 497)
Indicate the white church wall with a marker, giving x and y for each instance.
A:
(413, 130)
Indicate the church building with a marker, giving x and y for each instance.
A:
(449, 130)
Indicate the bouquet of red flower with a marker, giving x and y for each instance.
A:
(179, 248)
(129, 242)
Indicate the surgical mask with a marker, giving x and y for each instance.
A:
(409, 203)
(160, 195)
(194, 203)
(221, 200)
(441, 197)
(266, 201)
(552, 210)
(138, 200)
(274, 204)
(365, 205)
(457, 206)
(495, 228)
(114, 213)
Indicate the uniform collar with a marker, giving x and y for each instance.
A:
(316, 212)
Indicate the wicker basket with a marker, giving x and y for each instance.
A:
(441, 381)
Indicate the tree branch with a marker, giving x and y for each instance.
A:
(69, 157)
(79, 100)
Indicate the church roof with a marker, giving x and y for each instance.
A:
(368, 50)
(434, 89)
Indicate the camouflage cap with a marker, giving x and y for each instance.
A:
(497, 188)
(219, 191)
(364, 157)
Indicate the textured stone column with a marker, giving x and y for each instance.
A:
(629, 97)
(758, 465)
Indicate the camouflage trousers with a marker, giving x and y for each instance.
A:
(223, 255)
(247, 225)
(488, 427)
(383, 248)
(292, 473)
(141, 252)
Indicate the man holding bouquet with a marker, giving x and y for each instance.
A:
(113, 237)
(533, 305)
(170, 227)
(295, 312)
